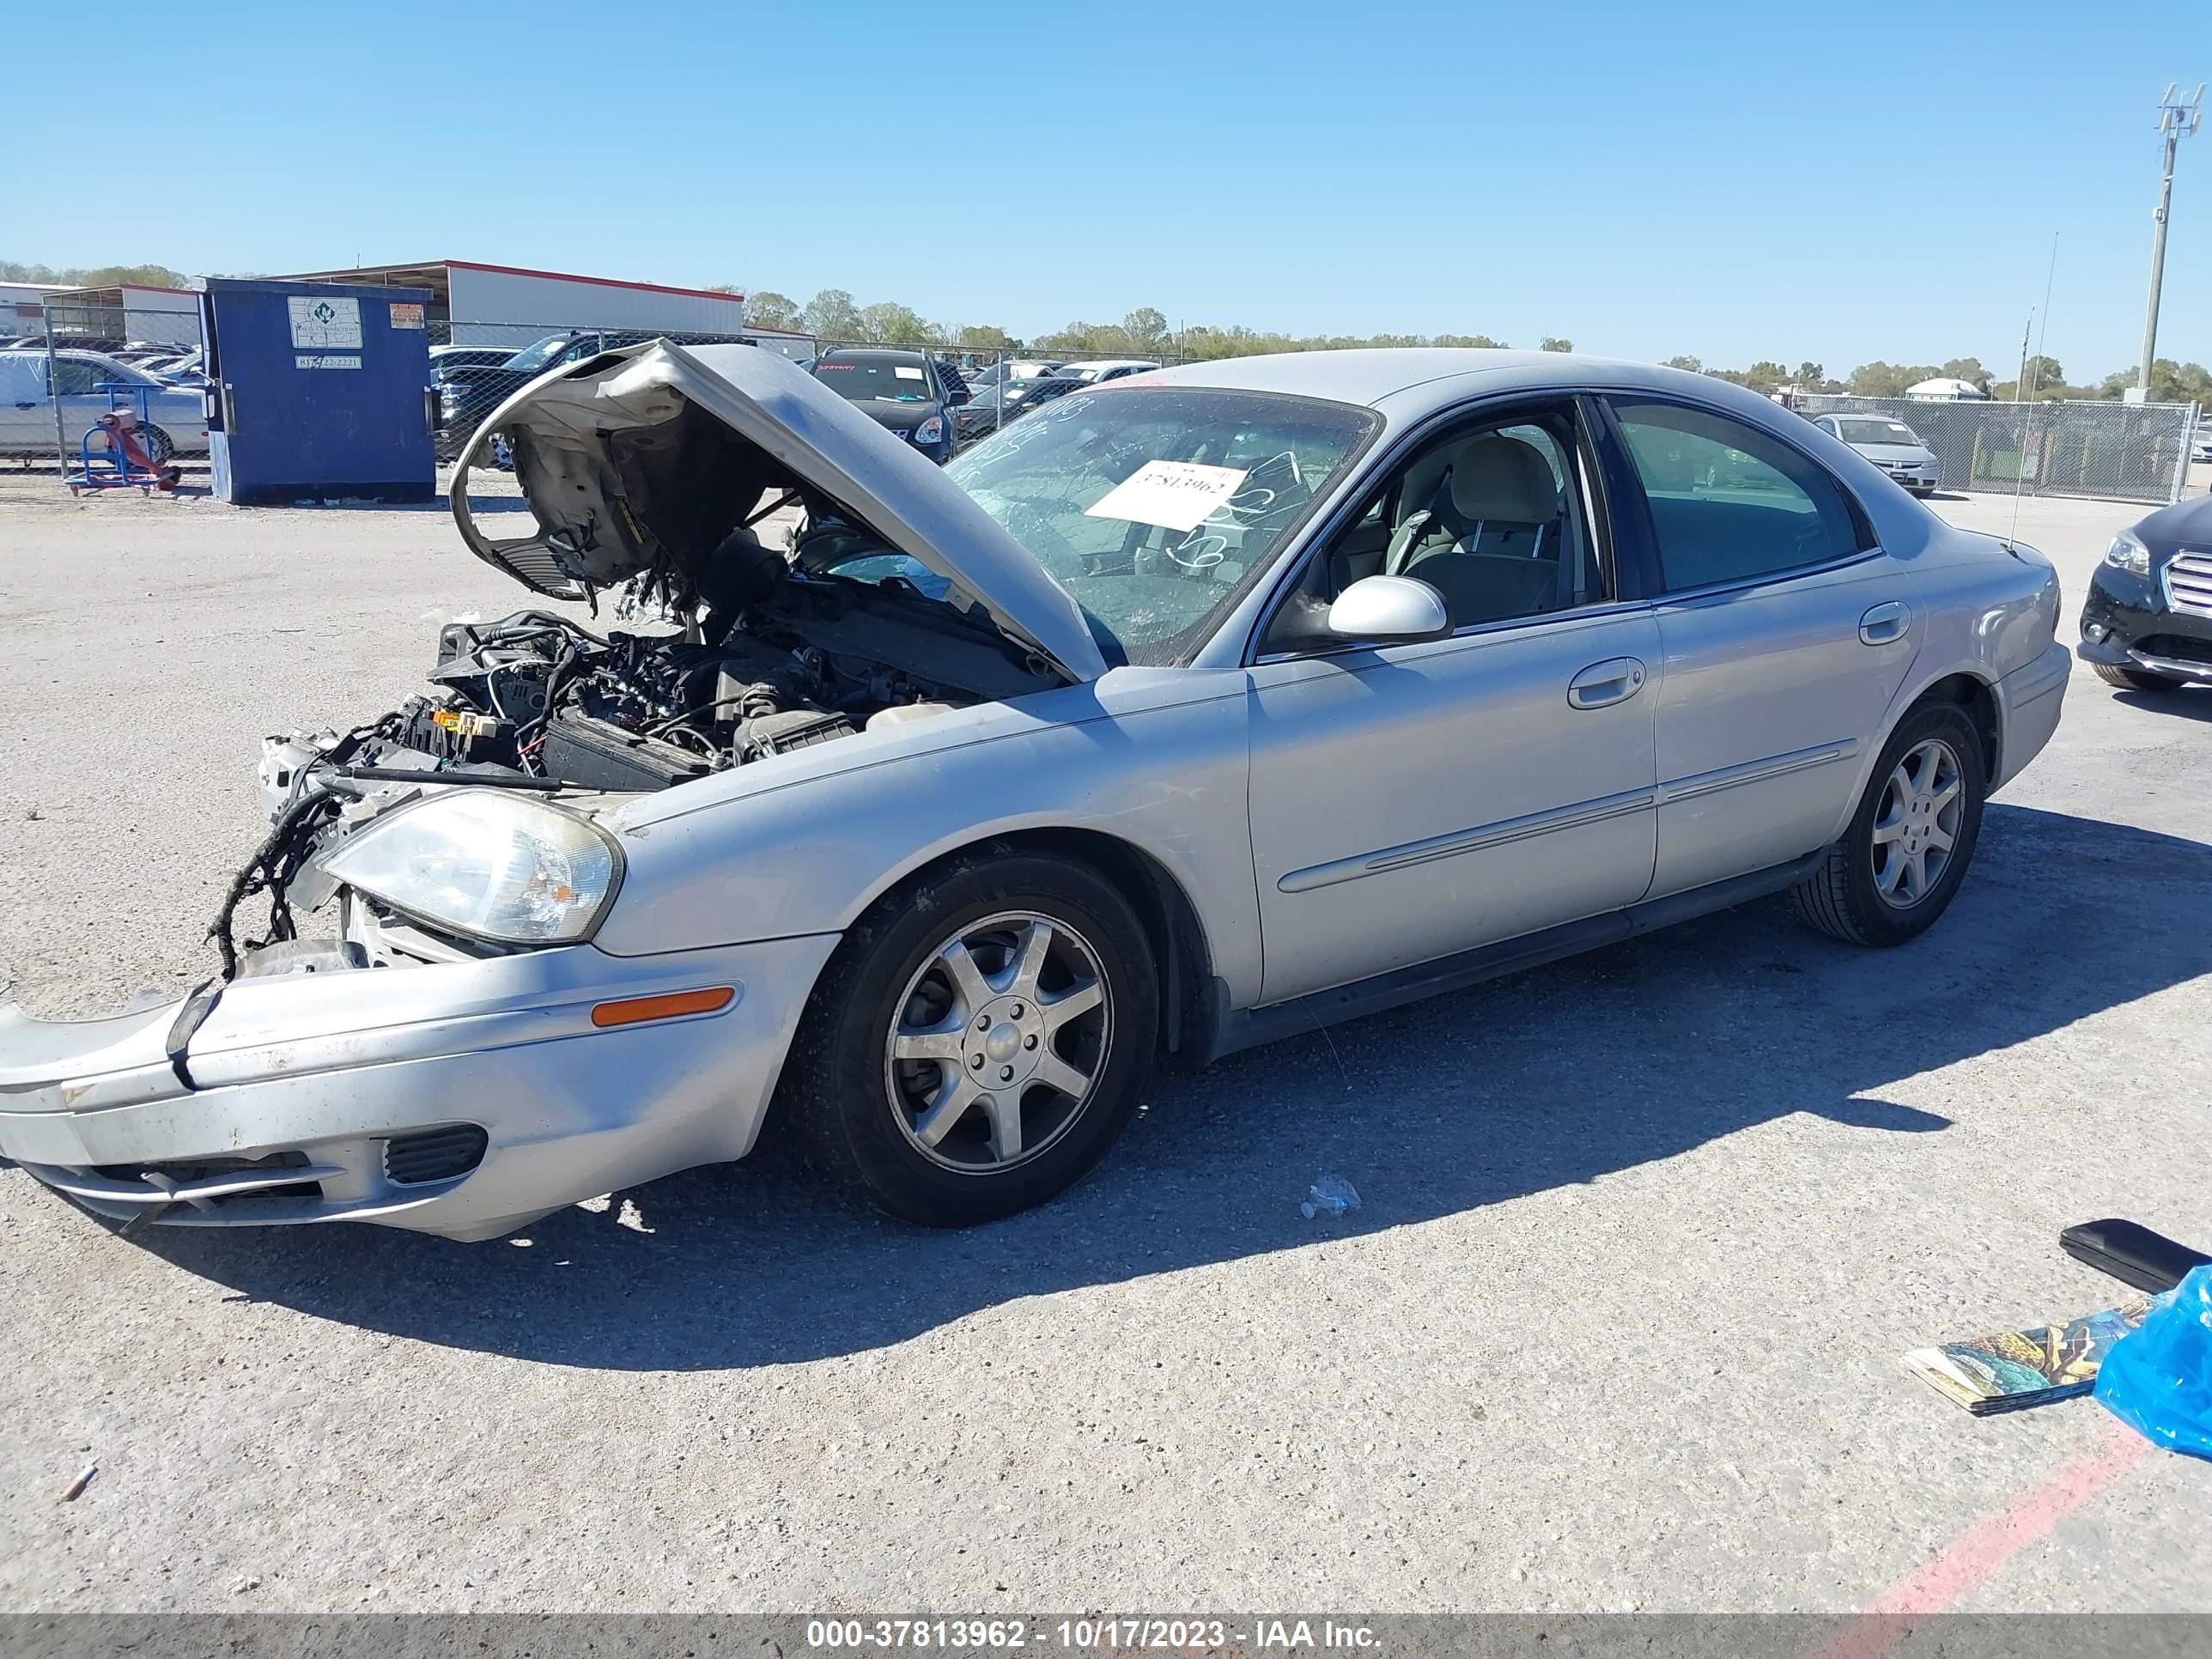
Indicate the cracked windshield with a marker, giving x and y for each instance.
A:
(1151, 504)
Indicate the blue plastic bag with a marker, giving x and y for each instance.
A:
(2158, 1379)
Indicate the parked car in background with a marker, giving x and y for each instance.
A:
(1262, 694)
(1011, 368)
(1891, 444)
(905, 393)
(471, 389)
(982, 414)
(2147, 623)
(1111, 369)
(186, 370)
(445, 359)
(2200, 446)
(177, 415)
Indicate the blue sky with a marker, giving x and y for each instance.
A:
(1731, 181)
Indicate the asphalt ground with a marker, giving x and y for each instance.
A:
(1616, 1327)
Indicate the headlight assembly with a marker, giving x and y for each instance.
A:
(2128, 553)
(930, 430)
(487, 864)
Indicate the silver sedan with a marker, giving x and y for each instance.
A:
(1201, 707)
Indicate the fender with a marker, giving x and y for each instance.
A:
(1155, 759)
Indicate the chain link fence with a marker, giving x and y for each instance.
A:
(2111, 451)
(72, 366)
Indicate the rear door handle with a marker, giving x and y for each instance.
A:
(1884, 624)
(1615, 680)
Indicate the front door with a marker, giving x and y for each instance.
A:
(1785, 634)
(1411, 801)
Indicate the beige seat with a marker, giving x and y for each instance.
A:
(1497, 552)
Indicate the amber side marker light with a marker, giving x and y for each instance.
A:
(631, 1010)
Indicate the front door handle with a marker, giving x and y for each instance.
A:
(1884, 624)
(1615, 680)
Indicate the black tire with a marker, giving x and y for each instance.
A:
(1842, 897)
(160, 446)
(840, 1084)
(2134, 679)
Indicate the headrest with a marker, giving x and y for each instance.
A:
(1501, 480)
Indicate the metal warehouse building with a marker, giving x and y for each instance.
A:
(130, 311)
(507, 305)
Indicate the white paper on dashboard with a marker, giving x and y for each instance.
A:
(1174, 494)
(905, 371)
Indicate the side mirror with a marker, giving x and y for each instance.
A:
(957, 395)
(1383, 610)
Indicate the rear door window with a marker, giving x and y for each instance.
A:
(1728, 503)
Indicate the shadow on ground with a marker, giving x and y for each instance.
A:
(1629, 1055)
(2190, 704)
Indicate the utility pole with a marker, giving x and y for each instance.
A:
(2175, 118)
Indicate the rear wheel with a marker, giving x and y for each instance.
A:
(2136, 679)
(160, 446)
(979, 1039)
(1899, 863)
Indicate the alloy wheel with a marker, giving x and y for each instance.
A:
(998, 1042)
(1916, 823)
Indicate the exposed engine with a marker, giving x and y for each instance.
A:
(775, 659)
(765, 652)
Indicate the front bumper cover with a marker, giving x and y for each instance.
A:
(2135, 628)
(299, 1086)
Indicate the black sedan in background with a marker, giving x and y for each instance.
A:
(2147, 624)
(908, 393)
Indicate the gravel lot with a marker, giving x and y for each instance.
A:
(1618, 1325)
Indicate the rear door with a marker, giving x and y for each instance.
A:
(1785, 633)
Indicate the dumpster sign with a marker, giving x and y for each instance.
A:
(324, 325)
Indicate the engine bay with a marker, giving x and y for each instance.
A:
(642, 493)
(779, 657)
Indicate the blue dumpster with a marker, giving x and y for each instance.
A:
(316, 390)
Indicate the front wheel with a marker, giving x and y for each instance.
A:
(2134, 679)
(160, 446)
(1900, 862)
(979, 1039)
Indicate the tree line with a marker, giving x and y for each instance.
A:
(1145, 333)
(832, 315)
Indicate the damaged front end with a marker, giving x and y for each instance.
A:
(509, 1067)
(813, 579)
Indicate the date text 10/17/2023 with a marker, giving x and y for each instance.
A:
(1094, 1635)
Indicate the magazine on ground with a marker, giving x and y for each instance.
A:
(2012, 1368)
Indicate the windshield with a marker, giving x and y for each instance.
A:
(1876, 432)
(1151, 505)
(875, 377)
(541, 356)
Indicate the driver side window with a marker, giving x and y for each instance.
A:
(1491, 517)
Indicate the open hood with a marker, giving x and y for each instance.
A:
(652, 453)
